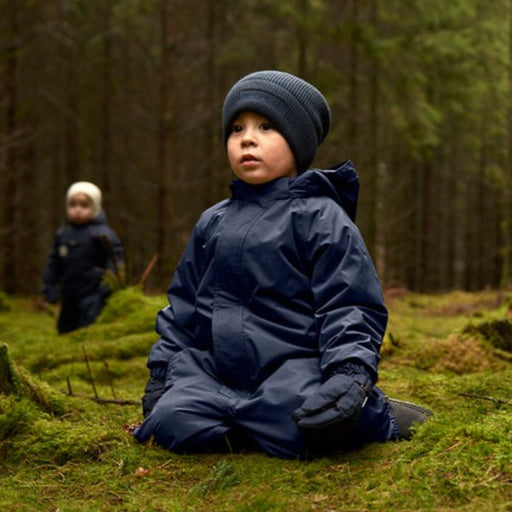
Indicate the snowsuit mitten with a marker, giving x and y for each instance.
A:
(155, 388)
(338, 402)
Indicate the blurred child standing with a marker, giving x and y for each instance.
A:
(84, 249)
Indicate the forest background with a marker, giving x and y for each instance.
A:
(128, 94)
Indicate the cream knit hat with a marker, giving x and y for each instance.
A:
(89, 189)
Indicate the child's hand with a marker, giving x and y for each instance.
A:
(155, 388)
(340, 399)
(51, 294)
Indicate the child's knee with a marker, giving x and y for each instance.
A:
(185, 430)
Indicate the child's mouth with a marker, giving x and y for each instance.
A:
(248, 160)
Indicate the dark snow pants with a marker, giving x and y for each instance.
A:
(79, 311)
(197, 411)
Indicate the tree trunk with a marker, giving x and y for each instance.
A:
(11, 159)
(353, 107)
(72, 122)
(302, 40)
(373, 197)
(167, 141)
(424, 266)
(106, 99)
(506, 248)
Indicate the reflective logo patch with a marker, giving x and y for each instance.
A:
(63, 251)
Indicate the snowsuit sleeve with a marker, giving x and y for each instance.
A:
(108, 251)
(115, 249)
(51, 273)
(176, 323)
(349, 307)
(108, 246)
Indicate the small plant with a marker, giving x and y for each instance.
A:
(222, 476)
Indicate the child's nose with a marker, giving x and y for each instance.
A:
(249, 136)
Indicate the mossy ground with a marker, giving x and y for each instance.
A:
(449, 352)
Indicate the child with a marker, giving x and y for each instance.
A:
(83, 250)
(276, 316)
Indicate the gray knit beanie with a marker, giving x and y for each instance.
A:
(297, 109)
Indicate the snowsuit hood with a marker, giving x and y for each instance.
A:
(340, 183)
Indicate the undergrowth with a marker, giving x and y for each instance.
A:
(64, 446)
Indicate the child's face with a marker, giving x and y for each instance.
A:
(257, 152)
(80, 209)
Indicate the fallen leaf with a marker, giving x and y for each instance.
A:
(140, 471)
(131, 427)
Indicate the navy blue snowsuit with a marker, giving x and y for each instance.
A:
(275, 290)
(74, 270)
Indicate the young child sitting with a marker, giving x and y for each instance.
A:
(83, 250)
(276, 316)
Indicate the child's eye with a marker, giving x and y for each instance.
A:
(267, 126)
(236, 128)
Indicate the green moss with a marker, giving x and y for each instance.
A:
(51, 441)
(16, 415)
(14, 381)
(128, 302)
(4, 303)
(79, 457)
(9, 380)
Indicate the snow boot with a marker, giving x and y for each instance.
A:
(407, 416)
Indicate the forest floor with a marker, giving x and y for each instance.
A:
(64, 447)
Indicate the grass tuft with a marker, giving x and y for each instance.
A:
(223, 475)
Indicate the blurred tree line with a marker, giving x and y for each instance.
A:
(128, 94)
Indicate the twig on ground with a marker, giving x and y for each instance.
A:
(115, 266)
(496, 401)
(147, 270)
(110, 380)
(90, 373)
(115, 401)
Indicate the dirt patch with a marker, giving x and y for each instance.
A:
(472, 308)
(460, 354)
(464, 355)
(496, 332)
(395, 293)
(486, 346)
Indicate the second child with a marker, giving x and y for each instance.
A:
(83, 250)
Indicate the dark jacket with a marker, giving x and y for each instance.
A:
(78, 259)
(276, 275)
